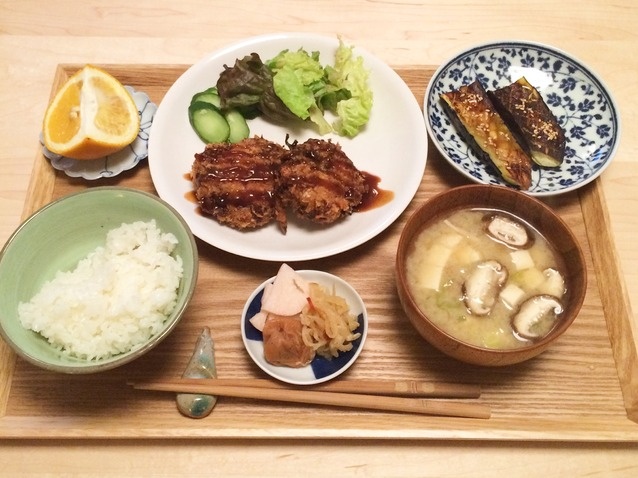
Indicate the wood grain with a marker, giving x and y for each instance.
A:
(574, 391)
(614, 295)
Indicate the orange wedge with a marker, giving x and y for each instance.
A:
(91, 116)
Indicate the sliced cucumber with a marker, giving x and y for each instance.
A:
(212, 124)
(238, 126)
(208, 122)
(208, 96)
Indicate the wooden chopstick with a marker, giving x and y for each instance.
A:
(362, 401)
(409, 388)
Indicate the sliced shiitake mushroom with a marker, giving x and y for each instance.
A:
(554, 283)
(508, 230)
(482, 286)
(537, 316)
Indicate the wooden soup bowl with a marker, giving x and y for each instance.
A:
(531, 210)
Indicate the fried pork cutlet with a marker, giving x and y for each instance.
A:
(319, 182)
(237, 183)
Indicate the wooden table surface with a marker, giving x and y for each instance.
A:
(38, 35)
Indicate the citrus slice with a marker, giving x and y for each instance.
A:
(91, 116)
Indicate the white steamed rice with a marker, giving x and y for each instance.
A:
(114, 300)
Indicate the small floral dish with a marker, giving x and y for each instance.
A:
(577, 97)
(113, 164)
(320, 369)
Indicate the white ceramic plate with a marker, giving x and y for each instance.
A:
(320, 369)
(113, 164)
(579, 100)
(393, 147)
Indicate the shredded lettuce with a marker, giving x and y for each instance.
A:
(350, 74)
(295, 83)
(308, 89)
(291, 89)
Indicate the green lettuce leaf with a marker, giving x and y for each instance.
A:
(308, 89)
(297, 76)
(350, 74)
(295, 85)
(291, 89)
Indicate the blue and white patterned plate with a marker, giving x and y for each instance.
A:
(320, 369)
(113, 164)
(580, 101)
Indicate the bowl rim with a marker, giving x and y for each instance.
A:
(401, 256)
(86, 367)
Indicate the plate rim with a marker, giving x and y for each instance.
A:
(590, 73)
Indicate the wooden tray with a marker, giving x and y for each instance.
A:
(583, 389)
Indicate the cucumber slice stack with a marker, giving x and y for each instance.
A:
(213, 125)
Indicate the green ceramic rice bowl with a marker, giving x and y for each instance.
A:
(55, 238)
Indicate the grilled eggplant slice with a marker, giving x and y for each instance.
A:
(478, 121)
(524, 110)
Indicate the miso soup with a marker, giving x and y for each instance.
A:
(487, 278)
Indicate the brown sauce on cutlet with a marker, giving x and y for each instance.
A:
(246, 175)
(190, 195)
(325, 180)
(241, 198)
(375, 197)
(241, 171)
(238, 180)
(328, 168)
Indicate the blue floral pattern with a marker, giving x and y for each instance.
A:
(113, 164)
(578, 99)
